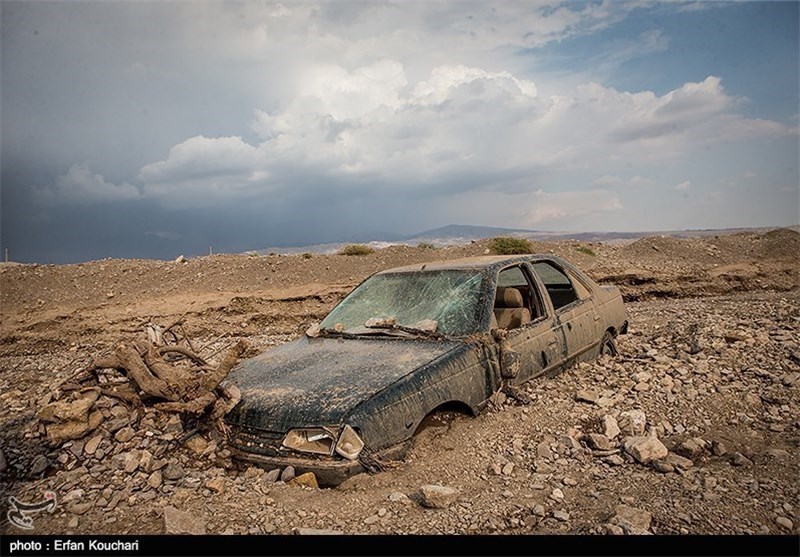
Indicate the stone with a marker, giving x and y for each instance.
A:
(197, 444)
(154, 480)
(146, 461)
(180, 522)
(173, 425)
(437, 496)
(689, 448)
(173, 471)
(718, 448)
(132, 462)
(217, 485)
(272, 476)
(632, 422)
(180, 259)
(39, 465)
(125, 434)
(92, 444)
(599, 442)
(372, 519)
(645, 449)
(397, 497)
(678, 461)
(738, 459)
(308, 479)
(288, 474)
(778, 453)
(610, 426)
(254, 472)
(784, 522)
(557, 495)
(317, 532)
(508, 468)
(3, 462)
(543, 451)
(79, 508)
(663, 466)
(563, 516)
(615, 460)
(632, 520)
(73, 522)
(585, 395)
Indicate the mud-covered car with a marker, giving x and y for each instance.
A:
(409, 342)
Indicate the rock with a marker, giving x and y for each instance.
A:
(663, 466)
(790, 378)
(3, 462)
(39, 465)
(645, 449)
(174, 425)
(179, 522)
(146, 461)
(197, 444)
(288, 474)
(543, 451)
(563, 516)
(217, 485)
(397, 497)
(180, 259)
(132, 462)
(784, 522)
(678, 461)
(718, 448)
(557, 495)
(73, 522)
(738, 459)
(308, 479)
(372, 519)
(610, 426)
(632, 422)
(154, 480)
(125, 434)
(317, 532)
(91, 445)
(173, 471)
(508, 468)
(272, 476)
(437, 496)
(615, 460)
(254, 472)
(79, 508)
(599, 442)
(778, 453)
(632, 520)
(585, 395)
(689, 448)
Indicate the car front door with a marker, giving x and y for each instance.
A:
(537, 339)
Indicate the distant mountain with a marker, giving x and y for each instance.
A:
(467, 232)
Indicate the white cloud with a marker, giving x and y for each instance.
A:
(81, 185)
(557, 207)
(683, 186)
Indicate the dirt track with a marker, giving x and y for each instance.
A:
(737, 296)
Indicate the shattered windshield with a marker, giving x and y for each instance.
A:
(450, 298)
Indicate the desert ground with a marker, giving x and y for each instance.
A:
(712, 360)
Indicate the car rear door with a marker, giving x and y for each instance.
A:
(574, 308)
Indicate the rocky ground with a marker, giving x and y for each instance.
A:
(694, 428)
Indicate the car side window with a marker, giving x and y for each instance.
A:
(517, 302)
(560, 288)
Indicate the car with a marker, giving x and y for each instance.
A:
(407, 343)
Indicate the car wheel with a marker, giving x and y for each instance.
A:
(608, 345)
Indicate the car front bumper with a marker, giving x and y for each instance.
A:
(328, 472)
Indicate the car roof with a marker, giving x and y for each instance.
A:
(488, 262)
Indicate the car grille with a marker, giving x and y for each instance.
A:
(255, 440)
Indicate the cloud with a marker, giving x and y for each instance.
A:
(683, 186)
(81, 185)
(552, 207)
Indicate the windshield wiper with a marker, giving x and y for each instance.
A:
(426, 329)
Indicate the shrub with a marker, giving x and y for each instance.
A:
(306, 256)
(586, 250)
(507, 245)
(356, 249)
(426, 245)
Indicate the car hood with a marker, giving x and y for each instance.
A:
(317, 381)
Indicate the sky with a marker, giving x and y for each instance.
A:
(153, 129)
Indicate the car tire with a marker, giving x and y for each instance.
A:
(608, 346)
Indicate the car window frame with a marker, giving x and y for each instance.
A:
(533, 286)
(571, 276)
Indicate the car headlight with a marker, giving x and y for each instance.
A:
(324, 440)
(349, 444)
(317, 440)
